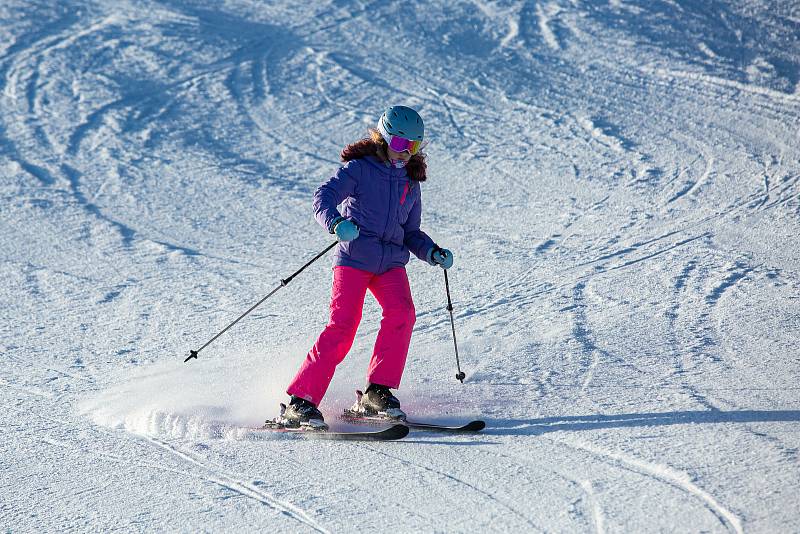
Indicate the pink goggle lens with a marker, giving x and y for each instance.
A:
(401, 144)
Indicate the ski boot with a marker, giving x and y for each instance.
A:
(300, 414)
(377, 402)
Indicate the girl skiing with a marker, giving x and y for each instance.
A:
(379, 186)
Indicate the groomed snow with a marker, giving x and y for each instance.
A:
(619, 182)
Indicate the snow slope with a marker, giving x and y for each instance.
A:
(619, 181)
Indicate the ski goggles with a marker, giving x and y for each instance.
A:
(401, 144)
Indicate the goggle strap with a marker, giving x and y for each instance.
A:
(386, 135)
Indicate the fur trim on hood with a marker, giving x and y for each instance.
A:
(370, 146)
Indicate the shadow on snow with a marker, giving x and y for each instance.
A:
(597, 422)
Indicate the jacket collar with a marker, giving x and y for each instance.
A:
(385, 168)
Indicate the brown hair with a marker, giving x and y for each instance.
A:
(375, 145)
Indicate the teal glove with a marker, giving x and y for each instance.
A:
(440, 256)
(345, 230)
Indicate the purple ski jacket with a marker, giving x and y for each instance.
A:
(385, 205)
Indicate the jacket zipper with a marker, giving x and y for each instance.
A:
(386, 224)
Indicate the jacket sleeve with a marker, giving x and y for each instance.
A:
(415, 239)
(333, 192)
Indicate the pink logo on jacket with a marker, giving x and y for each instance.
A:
(405, 192)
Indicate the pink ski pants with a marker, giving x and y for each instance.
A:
(350, 285)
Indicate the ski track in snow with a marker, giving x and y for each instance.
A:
(597, 511)
(619, 182)
(670, 476)
(544, 15)
(242, 487)
(492, 499)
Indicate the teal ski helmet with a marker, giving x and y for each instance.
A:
(403, 122)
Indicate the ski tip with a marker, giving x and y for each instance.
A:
(397, 431)
(475, 426)
(472, 426)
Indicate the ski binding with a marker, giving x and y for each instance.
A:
(358, 411)
(357, 415)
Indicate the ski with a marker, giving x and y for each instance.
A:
(387, 434)
(472, 426)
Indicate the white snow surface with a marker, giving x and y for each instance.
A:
(619, 182)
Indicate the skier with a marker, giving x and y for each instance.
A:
(378, 226)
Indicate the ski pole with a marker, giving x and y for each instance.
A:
(460, 375)
(284, 282)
